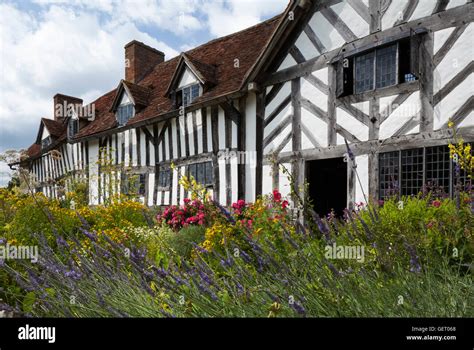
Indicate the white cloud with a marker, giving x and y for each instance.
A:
(68, 51)
(225, 17)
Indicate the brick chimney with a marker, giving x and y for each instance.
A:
(62, 104)
(140, 60)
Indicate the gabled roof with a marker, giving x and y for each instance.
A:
(212, 62)
(138, 94)
(56, 129)
(205, 73)
(220, 53)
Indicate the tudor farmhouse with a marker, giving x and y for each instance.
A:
(384, 76)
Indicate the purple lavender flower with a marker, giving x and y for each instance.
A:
(298, 308)
(90, 235)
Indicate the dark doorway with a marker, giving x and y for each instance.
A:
(327, 179)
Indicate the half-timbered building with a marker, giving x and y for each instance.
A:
(383, 76)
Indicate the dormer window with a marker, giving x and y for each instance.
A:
(125, 110)
(187, 95)
(46, 142)
(72, 127)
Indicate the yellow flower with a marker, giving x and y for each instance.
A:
(450, 124)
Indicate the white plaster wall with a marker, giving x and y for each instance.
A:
(187, 78)
(363, 172)
(93, 172)
(250, 146)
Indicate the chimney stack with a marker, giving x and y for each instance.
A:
(140, 59)
(63, 104)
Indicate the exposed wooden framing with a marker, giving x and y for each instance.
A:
(283, 143)
(426, 83)
(361, 9)
(87, 153)
(231, 111)
(314, 39)
(228, 172)
(184, 161)
(277, 130)
(453, 83)
(277, 110)
(339, 24)
(448, 44)
(195, 134)
(346, 134)
(462, 112)
(241, 141)
(273, 92)
(204, 129)
(296, 54)
(122, 146)
(260, 115)
(388, 110)
(375, 119)
(313, 109)
(178, 137)
(155, 185)
(331, 114)
(309, 135)
(296, 118)
(148, 139)
(407, 12)
(453, 17)
(351, 184)
(317, 83)
(423, 139)
(148, 134)
(275, 176)
(163, 146)
(375, 11)
(356, 113)
(410, 124)
(186, 135)
(440, 6)
(373, 176)
(215, 149)
(130, 147)
(161, 137)
(170, 142)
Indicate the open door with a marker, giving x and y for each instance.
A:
(327, 179)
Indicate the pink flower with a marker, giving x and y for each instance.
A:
(436, 203)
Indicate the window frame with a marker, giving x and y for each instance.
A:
(180, 94)
(451, 178)
(69, 123)
(117, 113)
(374, 68)
(208, 166)
(46, 142)
(167, 172)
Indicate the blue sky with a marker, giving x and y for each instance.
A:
(76, 48)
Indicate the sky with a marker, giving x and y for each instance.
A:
(76, 47)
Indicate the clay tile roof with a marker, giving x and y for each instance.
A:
(139, 94)
(206, 72)
(34, 150)
(55, 129)
(214, 60)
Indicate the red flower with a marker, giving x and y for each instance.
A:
(436, 203)
(276, 195)
(284, 204)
